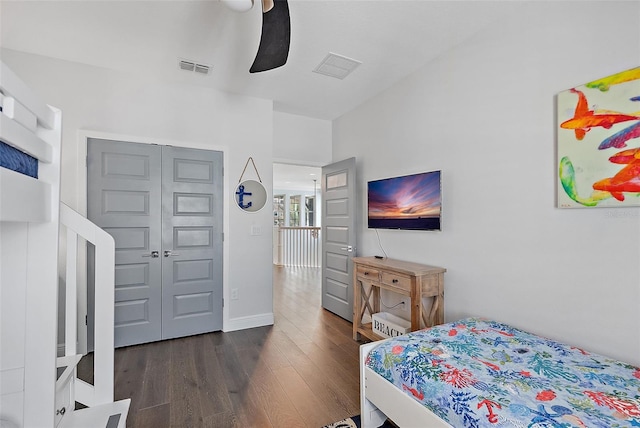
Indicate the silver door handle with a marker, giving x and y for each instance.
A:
(168, 253)
(348, 248)
(153, 255)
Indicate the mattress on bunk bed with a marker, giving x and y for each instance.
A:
(15, 160)
(481, 373)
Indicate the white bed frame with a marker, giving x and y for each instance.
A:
(28, 257)
(380, 399)
(38, 388)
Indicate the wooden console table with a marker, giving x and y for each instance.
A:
(415, 280)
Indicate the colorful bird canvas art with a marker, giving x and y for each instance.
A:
(599, 142)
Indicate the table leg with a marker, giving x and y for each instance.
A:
(416, 308)
(357, 320)
(439, 299)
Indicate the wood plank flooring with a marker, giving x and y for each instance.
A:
(300, 372)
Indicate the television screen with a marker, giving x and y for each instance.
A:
(411, 202)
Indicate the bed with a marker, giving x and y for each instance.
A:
(37, 389)
(30, 135)
(482, 373)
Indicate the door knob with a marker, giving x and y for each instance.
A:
(168, 253)
(153, 255)
(348, 248)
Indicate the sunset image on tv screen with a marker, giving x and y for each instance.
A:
(408, 202)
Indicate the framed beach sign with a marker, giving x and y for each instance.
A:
(599, 143)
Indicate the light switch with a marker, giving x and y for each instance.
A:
(256, 230)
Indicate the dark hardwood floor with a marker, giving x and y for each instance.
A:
(300, 372)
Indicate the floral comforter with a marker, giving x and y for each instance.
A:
(480, 373)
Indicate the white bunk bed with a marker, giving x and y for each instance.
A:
(38, 389)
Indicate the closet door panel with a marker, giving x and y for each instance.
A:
(192, 241)
(124, 198)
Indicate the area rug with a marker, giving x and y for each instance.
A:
(354, 422)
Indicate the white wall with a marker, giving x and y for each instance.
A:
(96, 99)
(301, 140)
(484, 113)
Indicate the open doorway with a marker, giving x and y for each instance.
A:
(328, 246)
(296, 216)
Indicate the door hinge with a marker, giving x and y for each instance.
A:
(223, 302)
(222, 236)
(86, 320)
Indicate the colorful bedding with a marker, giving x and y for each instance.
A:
(480, 373)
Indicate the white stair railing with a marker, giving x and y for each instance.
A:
(297, 246)
(101, 392)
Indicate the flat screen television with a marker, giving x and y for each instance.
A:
(412, 202)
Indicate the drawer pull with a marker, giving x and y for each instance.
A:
(366, 273)
(395, 281)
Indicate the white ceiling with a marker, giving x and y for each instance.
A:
(391, 38)
(296, 177)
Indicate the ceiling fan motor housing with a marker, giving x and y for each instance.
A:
(238, 5)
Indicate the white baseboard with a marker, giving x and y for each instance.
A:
(243, 323)
(233, 324)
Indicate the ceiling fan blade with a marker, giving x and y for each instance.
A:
(275, 38)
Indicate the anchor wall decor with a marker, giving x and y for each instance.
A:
(250, 195)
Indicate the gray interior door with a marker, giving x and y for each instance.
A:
(191, 241)
(163, 206)
(123, 198)
(338, 236)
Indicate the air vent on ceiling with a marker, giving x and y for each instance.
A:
(204, 69)
(337, 66)
(189, 65)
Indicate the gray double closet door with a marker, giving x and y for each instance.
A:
(163, 207)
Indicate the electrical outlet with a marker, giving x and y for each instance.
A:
(234, 294)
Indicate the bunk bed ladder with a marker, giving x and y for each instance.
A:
(101, 410)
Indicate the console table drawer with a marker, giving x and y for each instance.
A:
(368, 273)
(395, 280)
